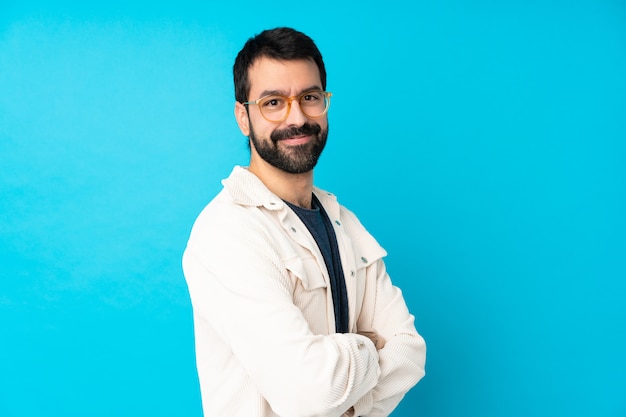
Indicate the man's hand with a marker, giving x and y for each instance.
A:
(349, 413)
(378, 340)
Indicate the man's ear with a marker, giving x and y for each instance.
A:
(243, 121)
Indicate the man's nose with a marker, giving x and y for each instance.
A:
(295, 117)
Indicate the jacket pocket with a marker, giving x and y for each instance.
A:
(307, 272)
(310, 294)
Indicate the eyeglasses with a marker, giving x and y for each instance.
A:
(275, 108)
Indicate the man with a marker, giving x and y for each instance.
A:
(294, 312)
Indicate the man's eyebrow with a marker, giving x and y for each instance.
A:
(265, 93)
(271, 93)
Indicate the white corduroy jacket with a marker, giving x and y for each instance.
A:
(264, 323)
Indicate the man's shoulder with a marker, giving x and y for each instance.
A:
(240, 194)
(222, 212)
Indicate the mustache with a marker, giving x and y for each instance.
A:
(304, 130)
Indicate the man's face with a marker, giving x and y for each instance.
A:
(295, 144)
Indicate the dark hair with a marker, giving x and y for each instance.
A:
(282, 44)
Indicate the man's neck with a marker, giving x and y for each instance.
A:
(294, 188)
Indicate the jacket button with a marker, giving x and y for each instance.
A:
(363, 259)
(338, 222)
(351, 273)
(293, 229)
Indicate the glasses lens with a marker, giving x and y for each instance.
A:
(313, 103)
(274, 108)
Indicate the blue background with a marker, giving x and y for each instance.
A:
(483, 143)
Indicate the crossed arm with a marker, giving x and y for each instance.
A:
(245, 293)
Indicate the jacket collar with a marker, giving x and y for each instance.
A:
(247, 189)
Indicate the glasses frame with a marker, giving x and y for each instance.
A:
(299, 97)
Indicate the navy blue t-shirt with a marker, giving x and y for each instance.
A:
(320, 226)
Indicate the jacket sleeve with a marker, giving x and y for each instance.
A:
(403, 355)
(402, 351)
(239, 284)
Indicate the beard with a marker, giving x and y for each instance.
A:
(296, 159)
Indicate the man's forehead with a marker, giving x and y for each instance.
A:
(268, 73)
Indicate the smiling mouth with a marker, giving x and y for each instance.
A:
(296, 140)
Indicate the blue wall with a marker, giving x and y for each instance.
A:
(483, 144)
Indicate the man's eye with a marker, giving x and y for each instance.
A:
(312, 97)
(273, 102)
